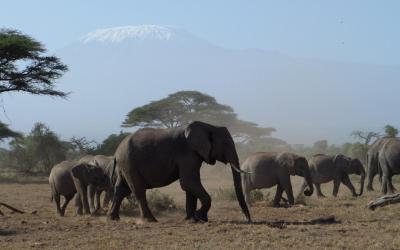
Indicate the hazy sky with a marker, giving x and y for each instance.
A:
(356, 31)
(365, 32)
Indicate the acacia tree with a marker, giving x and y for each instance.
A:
(391, 131)
(24, 67)
(185, 106)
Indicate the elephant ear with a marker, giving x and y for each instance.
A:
(80, 172)
(199, 139)
(287, 160)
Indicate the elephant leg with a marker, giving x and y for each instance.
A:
(391, 189)
(68, 198)
(278, 196)
(190, 182)
(144, 207)
(78, 204)
(191, 206)
(84, 198)
(56, 197)
(97, 198)
(246, 193)
(346, 181)
(91, 193)
(289, 193)
(319, 191)
(121, 191)
(287, 186)
(384, 184)
(107, 198)
(336, 184)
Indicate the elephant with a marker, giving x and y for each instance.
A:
(373, 167)
(151, 158)
(68, 177)
(106, 164)
(269, 169)
(325, 168)
(389, 162)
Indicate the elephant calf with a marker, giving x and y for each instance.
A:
(270, 169)
(68, 177)
(106, 163)
(326, 168)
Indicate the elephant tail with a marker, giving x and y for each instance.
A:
(51, 198)
(113, 169)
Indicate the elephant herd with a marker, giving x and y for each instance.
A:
(152, 158)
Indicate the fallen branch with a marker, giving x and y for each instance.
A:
(384, 201)
(282, 223)
(9, 207)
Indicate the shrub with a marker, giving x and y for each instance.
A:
(229, 194)
(155, 199)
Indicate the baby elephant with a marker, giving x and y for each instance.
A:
(326, 168)
(270, 169)
(68, 177)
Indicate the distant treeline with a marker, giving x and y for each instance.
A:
(40, 149)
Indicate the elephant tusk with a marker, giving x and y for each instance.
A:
(239, 170)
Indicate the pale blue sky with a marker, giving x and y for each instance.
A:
(360, 31)
(356, 31)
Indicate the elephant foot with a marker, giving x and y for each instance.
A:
(113, 217)
(200, 217)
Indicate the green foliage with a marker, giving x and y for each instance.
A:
(391, 131)
(110, 144)
(5, 132)
(185, 106)
(36, 152)
(38, 73)
(155, 199)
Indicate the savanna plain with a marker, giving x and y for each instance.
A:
(357, 227)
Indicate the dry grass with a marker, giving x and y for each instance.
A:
(359, 228)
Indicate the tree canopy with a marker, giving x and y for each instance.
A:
(185, 106)
(391, 131)
(25, 67)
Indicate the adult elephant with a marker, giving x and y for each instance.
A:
(325, 168)
(106, 164)
(68, 177)
(373, 167)
(151, 158)
(389, 161)
(270, 169)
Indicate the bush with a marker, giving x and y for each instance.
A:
(230, 195)
(155, 199)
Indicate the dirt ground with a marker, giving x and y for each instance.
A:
(360, 228)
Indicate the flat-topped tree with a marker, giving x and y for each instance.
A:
(25, 67)
(183, 107)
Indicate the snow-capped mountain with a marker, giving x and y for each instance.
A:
(140, 32)
(116, 69)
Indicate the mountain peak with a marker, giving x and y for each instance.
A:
(137, 32)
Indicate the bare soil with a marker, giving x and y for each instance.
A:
(360, 228)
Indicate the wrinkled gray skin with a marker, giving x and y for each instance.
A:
(106, 164)
(373, 167)
(389, 161)
(151, 158)
(270, 169)
(68, 177)
(325, 168)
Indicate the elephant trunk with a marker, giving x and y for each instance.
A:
(308, 179)
(362, 178)
(237, 181)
